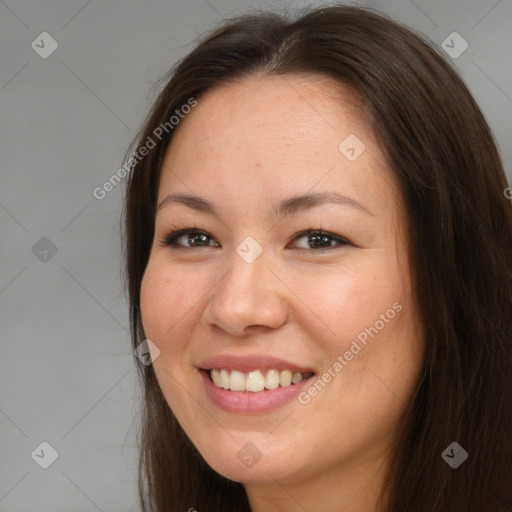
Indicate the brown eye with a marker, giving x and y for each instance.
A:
(318, 240)
(182, 237)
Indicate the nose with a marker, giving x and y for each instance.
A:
(248, 297)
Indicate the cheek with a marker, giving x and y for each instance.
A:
(341, 303)
(166, 297)
(166, 301)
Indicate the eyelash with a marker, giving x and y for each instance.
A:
(169, 239)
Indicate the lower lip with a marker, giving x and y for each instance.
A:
(249, 402)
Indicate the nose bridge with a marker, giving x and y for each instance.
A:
(248, 263)
(247, 280)
(248, 294)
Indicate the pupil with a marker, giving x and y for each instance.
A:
(192, 237)
(320, 239)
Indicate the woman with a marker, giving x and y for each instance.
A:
(319, 258)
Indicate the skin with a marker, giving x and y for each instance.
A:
(244, 147)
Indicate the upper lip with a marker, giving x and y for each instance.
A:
(251, 362)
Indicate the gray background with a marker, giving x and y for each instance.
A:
(67, 373)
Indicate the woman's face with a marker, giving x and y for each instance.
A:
(257, 296)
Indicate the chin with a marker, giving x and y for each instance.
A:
(248, 460)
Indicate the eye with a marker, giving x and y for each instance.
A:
(194, 237)
(321, 240)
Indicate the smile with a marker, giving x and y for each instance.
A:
(256, 381)
(252, 383)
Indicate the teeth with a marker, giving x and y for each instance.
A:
(255, 381)
(215, 374)
(296, 378)
(237, 381)
(272, 379)
(224, 379)
(285, 379)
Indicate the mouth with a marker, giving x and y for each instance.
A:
(252, 383)
(255, 381)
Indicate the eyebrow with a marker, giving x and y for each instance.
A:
(288, 206)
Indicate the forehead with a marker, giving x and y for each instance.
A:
(271, 135)
(280, 109)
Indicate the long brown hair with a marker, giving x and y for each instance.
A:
(459, 222)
